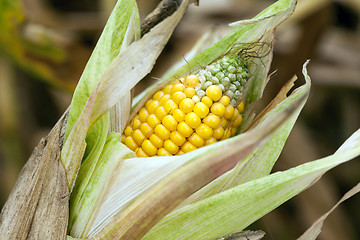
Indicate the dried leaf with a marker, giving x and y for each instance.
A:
(38, 205)
(313, 232)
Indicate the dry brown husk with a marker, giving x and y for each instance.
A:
(38, 206)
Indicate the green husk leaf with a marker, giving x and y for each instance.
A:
(240, 206)
(313, 232)
(121, 28)
(85, 205)
(116, 35)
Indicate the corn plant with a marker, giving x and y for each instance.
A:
(186, 159)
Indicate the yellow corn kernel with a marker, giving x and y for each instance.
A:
(192, 120)
(149, 148)
(218, 133)
(229, 112)
(152, 106)
(196, 140)
(156, 141)
(162, 132)
(140, 152)
(214, 92)
(189, 92)
(180, 152)
(143, 114)
(146, 129)
(191, 81)
(181, 80)
(184, 129)
(152, 120)
(204, 131)
(169, 122)
(158, 95)
(225, 100)
(138, 136)
(207, 101)
(212, 121)
(170, 106)
(224, 123)
(179, 115)
(163, 152)
(167, 89)
(237, 121)
(201, 109)
(227, 134)
(218, 109)
(130, 143)
(233, 131)
(188, 147)
(186, 105)
(210, 141)
(128, 131)
(123, 138)
(241, 107)
(148, 102)
(177, 138)
(136, 122)
(179, 87)
(178, 97)
(236, 114)
(164, 99)
(160, 113)
(170, 146)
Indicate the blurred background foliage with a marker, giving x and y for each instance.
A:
(45, 44)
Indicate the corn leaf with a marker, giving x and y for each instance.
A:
(240, 206)
(313, 232)
(83, 209)
(116, 35)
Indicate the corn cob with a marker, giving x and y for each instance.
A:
(191, 112)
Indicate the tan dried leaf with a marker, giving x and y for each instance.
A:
(37, 207)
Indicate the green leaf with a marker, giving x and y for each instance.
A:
(112, 40)
(85, 205)
(121, 28)
(238, 207)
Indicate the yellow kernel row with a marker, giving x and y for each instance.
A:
(176, 121)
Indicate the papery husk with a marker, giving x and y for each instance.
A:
(38, 205)
(313, 232)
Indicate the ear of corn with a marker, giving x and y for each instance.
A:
(191, 112)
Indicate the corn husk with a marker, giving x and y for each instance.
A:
(205, 194)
